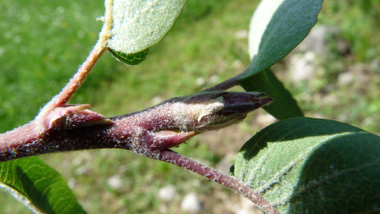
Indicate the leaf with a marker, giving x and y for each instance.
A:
(130, 59)
(313, 165)
(276, 28)
(139, 24)
(284, 105)
(32, 181)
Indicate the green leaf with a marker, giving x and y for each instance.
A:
(284, 105)
(38, 186)
(139, 24)
(276, 28)
(130, 59)
(314, 165)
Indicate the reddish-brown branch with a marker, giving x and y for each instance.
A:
(165, 125)
(124, 133)
(225, 180)
(149, 132)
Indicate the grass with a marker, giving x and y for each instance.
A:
(356, 102)
(44, 42)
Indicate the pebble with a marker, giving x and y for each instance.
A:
(191, 204)
(115, 182)
(156, 100)
(241, 34)
(302, 67)
(200, 81)
(264, 120)
(247, 207)
(213, 79)
(345, 78)
(167, 193)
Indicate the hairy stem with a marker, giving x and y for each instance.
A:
(163, 126)
(73, 85)
(100, 47)
(123, 134)
(149, 132)
(225, 180)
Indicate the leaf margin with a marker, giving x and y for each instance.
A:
(21, 190)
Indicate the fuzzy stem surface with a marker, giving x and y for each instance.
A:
(216, 176)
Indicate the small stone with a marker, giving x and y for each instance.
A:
(264, 120)
(200, 81)
(167, 193)
(247, 207)
(71, 183)
(302, 67)
(315, 41)
(81, 170)
(241, 34)
(191, 204)
(374, 65)
(156, 100)
(345, 78)
(329, 99)
(237, 63)
(213, 79)
(115, 182)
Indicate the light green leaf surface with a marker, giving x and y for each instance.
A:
(139, 24)
(284, 105)
(274, 32)
(130, 59)
(38, 186)
(259, 22)
(312, 165)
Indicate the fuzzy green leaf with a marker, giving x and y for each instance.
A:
(284, 105)
(38, 186)
(139, 24)
(276, 28)
(130, 59)
(313, 165)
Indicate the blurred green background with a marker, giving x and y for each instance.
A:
(42, 44)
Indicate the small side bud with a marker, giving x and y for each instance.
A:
(73, 116)
(168, 138)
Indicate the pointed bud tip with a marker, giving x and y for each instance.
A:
(266, 100)
(221, 109)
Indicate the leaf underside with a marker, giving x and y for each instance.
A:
(139, 24)
(313, 165)
(130, 59)
(32, 179)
